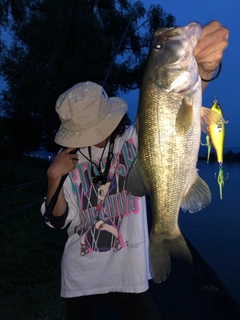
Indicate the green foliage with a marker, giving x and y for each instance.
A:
(56, 44)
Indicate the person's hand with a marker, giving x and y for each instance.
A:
(210, 48)
(63, 163)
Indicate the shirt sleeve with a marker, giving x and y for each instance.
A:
(58, 222)
(71, 212)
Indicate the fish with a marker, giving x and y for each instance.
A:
(169, 120)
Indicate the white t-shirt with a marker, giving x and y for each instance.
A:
(108, 247)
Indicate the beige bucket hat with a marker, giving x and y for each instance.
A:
(88, 116)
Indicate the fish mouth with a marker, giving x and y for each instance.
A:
(192, 31)
(176, 65)
(182, 64)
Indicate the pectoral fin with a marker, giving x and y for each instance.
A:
(197, 197)
(210, 117)
(135, 184)
(184, 117)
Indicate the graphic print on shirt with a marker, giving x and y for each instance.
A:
(102, 207)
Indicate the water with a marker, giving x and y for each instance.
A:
(41, 153)
(215, 230)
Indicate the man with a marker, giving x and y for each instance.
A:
(106, 255)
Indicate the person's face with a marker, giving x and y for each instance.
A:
(101, 144)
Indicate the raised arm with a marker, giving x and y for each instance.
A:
(63, 163)
(210, 48)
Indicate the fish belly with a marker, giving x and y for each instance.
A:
(169, 162)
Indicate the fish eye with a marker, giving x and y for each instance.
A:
(158, 46)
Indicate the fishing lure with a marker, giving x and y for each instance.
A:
(217, 135)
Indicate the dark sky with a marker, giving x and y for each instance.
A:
(227, 86)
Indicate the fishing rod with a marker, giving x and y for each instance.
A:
(53, 201)
(119, 46)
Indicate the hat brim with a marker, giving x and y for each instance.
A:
(93, 135)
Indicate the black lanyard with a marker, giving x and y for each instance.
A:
(102, 177)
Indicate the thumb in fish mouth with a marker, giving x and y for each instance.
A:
(193, 31)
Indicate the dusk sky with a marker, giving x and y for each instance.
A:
(227, 84)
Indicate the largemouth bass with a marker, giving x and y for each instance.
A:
(169, 122)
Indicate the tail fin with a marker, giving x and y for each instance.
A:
(162, 250)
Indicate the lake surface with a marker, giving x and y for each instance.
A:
(215, 230)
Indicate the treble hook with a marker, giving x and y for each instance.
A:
(215, 96)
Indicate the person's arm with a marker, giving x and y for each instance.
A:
(63, 163)
(210, 48)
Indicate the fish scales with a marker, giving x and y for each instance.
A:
(169, 127)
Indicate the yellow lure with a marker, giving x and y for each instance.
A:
(217, 133)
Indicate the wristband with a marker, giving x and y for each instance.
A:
(218, 73)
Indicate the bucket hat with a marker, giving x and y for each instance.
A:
(88, 116)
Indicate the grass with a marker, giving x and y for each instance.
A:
(30, 254)
(30, 251)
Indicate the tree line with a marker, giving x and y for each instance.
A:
(56, 44)
(229, 156)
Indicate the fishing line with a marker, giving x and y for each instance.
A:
(219, 70)
(20, 209)
(23, 207)
(119, 46)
